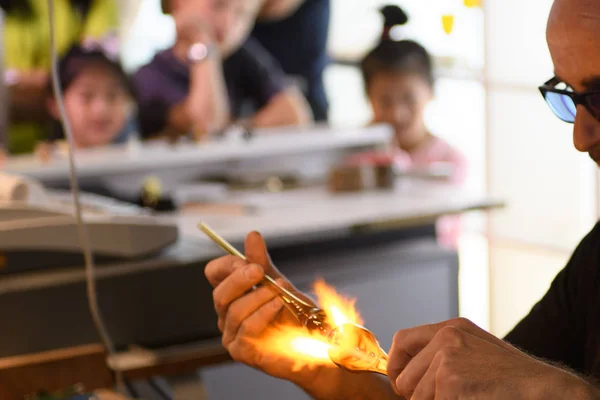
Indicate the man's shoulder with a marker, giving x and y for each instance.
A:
(158, 63)
(253, 61)
(587, 254)
(594, 234)
(152, 77)
(252, 50)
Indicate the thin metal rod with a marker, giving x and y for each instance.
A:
(229, 249)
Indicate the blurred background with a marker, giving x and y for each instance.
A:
(487, 104)
(489, 63)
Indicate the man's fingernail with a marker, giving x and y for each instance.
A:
(252, 271)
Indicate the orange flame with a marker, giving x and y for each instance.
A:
(339, 309)
(302, 348)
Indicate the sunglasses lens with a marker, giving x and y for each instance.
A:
(562, 106)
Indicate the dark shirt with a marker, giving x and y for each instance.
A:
(564, 326)
(299, 43)
(251, 75)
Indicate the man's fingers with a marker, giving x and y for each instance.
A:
(445, 340)
(258, 322)
(426, 388)
(256, 250)
(409, 342)
(241, 309)
(217, 270)
(236, 285)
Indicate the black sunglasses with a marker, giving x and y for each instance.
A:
(564, 102)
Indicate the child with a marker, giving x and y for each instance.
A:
(27, 57)
(98, 100)
(398, 77)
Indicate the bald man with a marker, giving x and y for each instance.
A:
(553, 353)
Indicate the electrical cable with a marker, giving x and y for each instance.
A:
(83, 232)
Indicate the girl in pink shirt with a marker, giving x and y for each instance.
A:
(398, 77)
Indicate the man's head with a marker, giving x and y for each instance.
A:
(574, 40)
(231, 20)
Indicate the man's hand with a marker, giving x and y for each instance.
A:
(458, 360)
(206, 108)
(288, 108)
(193, 24)
(245, 315)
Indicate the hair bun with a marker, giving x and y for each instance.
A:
(393, 15)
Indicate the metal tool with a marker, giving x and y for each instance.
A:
(309, 316)
(353, 347)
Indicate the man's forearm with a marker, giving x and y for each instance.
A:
(288, 108)
(207, 104)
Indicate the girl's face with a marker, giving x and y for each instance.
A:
(97, 106)
(400, 100)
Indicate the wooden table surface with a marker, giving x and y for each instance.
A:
(57, 370)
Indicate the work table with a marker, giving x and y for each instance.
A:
(377, 246)
(141, 157)
(315, 211)
(292, 217)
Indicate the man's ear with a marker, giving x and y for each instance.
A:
(52, 107)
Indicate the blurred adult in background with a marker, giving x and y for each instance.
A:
(203, 83)
(27, 57)
(295, 32)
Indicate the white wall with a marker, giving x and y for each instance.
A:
(146, 32)
(457, 113)
(549, 187)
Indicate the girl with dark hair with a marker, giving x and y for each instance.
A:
(27, 58)
(399, 81)
(98, 100)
